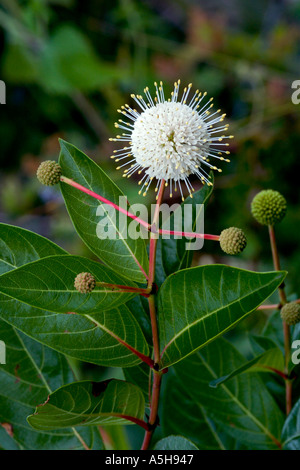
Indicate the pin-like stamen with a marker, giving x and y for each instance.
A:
(170, 139)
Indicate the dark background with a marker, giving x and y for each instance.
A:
(68, 65)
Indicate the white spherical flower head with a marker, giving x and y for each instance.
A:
(171, 139)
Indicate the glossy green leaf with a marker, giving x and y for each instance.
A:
(48, 283)
(95, 338)
(197, 305)
(91, 338)
(175, 443)
(140, 375)
(269, 361)
(31, 372)
(291, 429)
(182, 414)
(7, 442)
(19, 246)
(242, 406)
(273, 329)
(90, 403)
(123, 251)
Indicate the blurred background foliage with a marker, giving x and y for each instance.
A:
(68, 65)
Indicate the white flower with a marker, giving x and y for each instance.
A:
(171, 139)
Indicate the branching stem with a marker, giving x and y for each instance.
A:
(157, 375)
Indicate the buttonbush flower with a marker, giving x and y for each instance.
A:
(49, 173)
(170, 139)
(85, 283)
(233, 240)
(290, 313)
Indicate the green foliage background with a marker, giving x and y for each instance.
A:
(68, 65)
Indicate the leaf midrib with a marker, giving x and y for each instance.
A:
(121, 237)
(214, 312)
(240, 404)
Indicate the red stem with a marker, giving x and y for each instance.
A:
(157, 375)
(154, 409)
(103, 199)
(153, 235)
(274, 306)
(205, 236)
(286, 328)
(70, 182)
(121, 288)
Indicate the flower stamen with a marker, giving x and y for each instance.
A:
(171, 139)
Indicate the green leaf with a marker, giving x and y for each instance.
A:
(140, 375)
(48, 284)
(140, 310)
(182, 414)
(90, 403)
(91, 339)
(175, 443)
(291, 429)
(273, 329)
(122, 251)
(31, 372)
(172, 253)
(269, 361)
(243, 406)
(19, 246)
(197, 305)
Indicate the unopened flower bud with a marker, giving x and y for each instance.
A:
(290, 313)
(85, 283)
(49, 173)
(233, 240)
(268, 207)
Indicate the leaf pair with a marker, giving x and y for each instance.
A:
(194, 309)
(95, 338)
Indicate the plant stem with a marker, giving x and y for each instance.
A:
(274, 306)
(149, 227)
(206, 236)
(152, 309)
(276, 262)
(154, 409)
(154, 235)
(157, 375)
(121, 288)
(70, 182)
(286, 328)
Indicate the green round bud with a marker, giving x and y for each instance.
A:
(290, 313)
(49, 173)
(268, 207)
(233, 240)
(84, 283)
